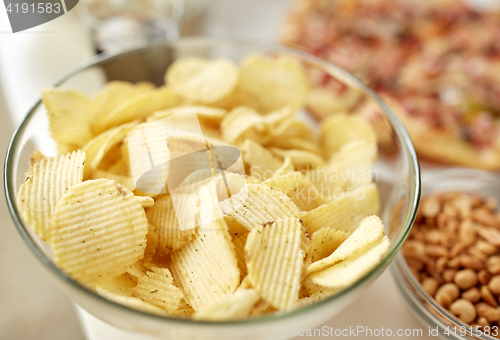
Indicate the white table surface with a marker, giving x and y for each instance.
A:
(36, 58)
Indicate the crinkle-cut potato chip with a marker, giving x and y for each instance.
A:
(353, 268)
(206, 268)
(234, 307)
(262, 308)
(69, 113)
(126, 181)
(321, 294)
(137, 270)
(344, 213)
(207, 115)
(292, 142)
(35, 157)
(341, 129)
(111, 96)
(245, 283)
(165, 220)
(184, 310)
(274, 261)
(302, 159)
(152, 241)
(97, 148)
(131, 302)
(140, 106)
(287, 166)
(122, 166)
(324, 242)
(145, 201)
(122, 285)
(268, 83)
(203, 80)
(257, 205)
(99, 230)
(243, 122)
(234, 227)
(294, 127)
(369, 232)
(156, 287)
(46, 183)
(261, 161)
(239, 248)
(324, 102)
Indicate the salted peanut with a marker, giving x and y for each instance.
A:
(431, 285)
(433, 236)
(491, 203)
(493, 265)
(441, 221)
(483, 322)
(471, 262)
(441, 264)
(464, 310)
(490, 235)
(431, 207)
(488, 312)
(487, 296)
(455, 262)
(456, 249)
(449, 275)
(450, 289)
(494, 285)
(477, 253)
(465, 278)
(485, 217)
(472, 294)
(430, 267)
(436, 251)
(486, 248)
(415, 263)
(467, 233)
(483, 277)
(444, 299)
(476, 201)
(415, 250)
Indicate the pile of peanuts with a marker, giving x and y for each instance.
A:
(454, 251)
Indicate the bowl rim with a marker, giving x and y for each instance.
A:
(399, 129)
(409, 285)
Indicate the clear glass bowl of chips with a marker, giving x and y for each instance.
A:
(396, 173)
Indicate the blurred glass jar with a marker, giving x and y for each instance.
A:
(118, 23)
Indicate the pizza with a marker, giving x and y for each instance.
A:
(437, 63)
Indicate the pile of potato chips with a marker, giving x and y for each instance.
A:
(302, 229)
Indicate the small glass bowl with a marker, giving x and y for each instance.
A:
(397, 176)
(425, 308)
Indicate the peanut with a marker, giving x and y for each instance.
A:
(472, 294)
(450, 289)
(436, 251)
(464, 310)
(485, 217)
(431, 285)
(414, 250)
(494, 285)
(486, 248)
(491, 235)
(449, 274)
(484, 277)
(483, 322)
(493, 265)
(488, 312)
(488, 297)
(466, 278)
(467, 234)
(471, 262)
(431, 207)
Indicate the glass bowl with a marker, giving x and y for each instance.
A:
(397, 176)
(425, 308)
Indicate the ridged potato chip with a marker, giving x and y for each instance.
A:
(234, 227)
(201, 80)
(324, 102)
(99, 230)
(268, 83)
(262, 308)
(156, 288)
(165, 220)
(35, 157)
(46, 183)
(274, 260)
(263, 164)
(184, 310)
(145, 201)
(353, 268)
(122, 285)
(294, 127)
(370, 231)
(341, 129)
(208, 116)
(344, 213)
(292, 142)
(239, 248)
(131, 302)
(287, 166)
(69, 113)
(126, 181)
(324, 242)
(241, 123)
(257, 205)
(152, 241)
(234, 307)
(137, 270)
(302, 159)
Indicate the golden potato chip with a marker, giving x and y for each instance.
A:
(324, 242)
(369, 232)
(239, 247)
(166, 222)
(126, 181)
(258, 205)
(122, 285)
(319, 294)
(97, 148)
(294, 127)
(342, 129)
(241, 123)
(202, 80)
(263, 164)
(292, 142)
(46, 183)
(122, 166)
(206, 268)
(35, 157)
(145, 201)
(236, 306)
(152, 241)
(353, 268)
(137, 270)
(302, 159)
(344, 213)
(184, 310)
(245, 283)
(287, 166)
(268, 83)
(140, 106)
(156, 288)
(69, 115)
(99, 230)
(324, 102)
(131, 302)
(262, 308)
(234, 227)
(111, 96)
(274, 261)
(211, 116)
